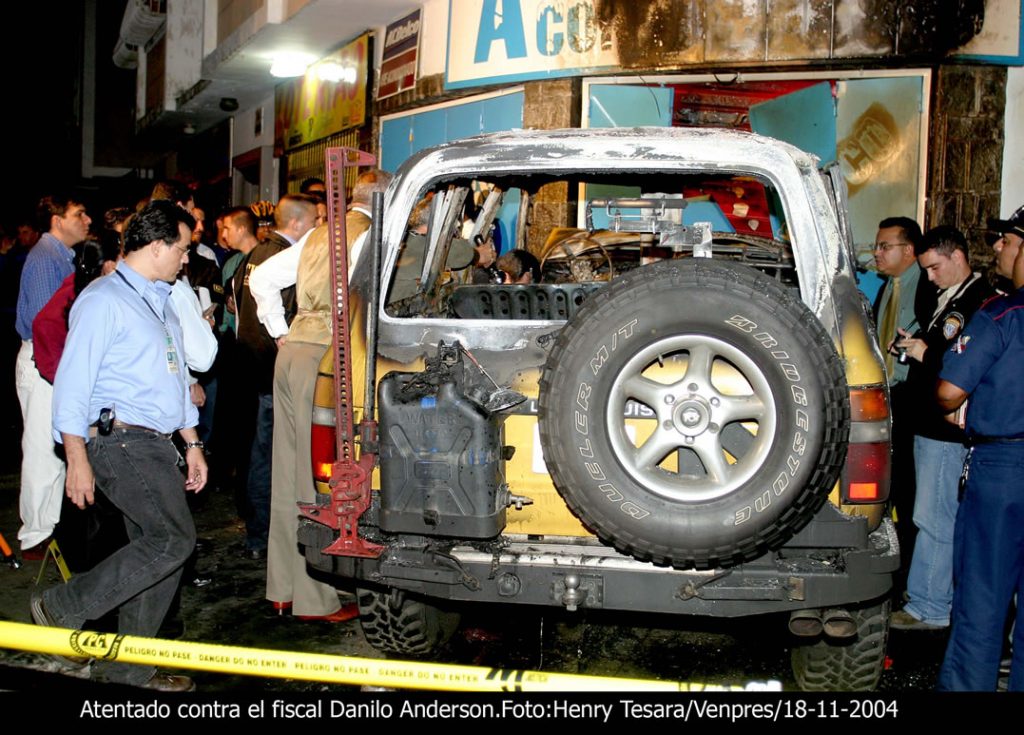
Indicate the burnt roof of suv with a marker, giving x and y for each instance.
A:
(654, 142)
(719, 147)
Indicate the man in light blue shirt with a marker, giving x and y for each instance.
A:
(121, 390)
(42, 473)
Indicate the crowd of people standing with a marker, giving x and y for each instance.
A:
(147, 327)
(145, 368)
(951, 338)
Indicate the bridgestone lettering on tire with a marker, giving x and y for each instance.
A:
(854, 665)
(694, 413)
(392, 622)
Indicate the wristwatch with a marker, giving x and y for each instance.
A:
(194, 445)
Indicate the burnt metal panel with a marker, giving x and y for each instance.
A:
(736, 30)
(658, 33)
(864, 28)
(799, 29)
(927, 26)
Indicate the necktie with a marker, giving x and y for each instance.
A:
(887, 333)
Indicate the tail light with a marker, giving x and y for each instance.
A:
(868, 459)
(866, 477)
(322, 443)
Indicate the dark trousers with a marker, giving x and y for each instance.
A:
(903, 486)
(257, 523)
(988, 569)
(137, 471)
(207, 412)
(234, 416)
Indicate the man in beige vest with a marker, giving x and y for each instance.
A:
(301, 349)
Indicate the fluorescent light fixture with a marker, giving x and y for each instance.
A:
(334, 71)
(290, 64)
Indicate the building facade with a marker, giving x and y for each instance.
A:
(911, 99)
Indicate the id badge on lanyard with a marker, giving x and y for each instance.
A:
(171, 353)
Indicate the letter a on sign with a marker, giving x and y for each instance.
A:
(500, 20)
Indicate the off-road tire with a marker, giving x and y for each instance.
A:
(724, 317)
(851, 666)
(393, 622)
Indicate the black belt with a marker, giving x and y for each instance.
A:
(94, 430)
(973, 441)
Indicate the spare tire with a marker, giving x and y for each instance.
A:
(694, 413)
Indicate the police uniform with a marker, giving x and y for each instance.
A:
(989, 540)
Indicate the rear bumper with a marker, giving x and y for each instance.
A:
(832, 562)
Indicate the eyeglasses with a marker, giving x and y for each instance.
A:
(183, 251)
(887, 246)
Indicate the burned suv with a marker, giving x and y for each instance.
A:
(683, 410)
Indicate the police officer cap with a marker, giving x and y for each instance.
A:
(1015, 224)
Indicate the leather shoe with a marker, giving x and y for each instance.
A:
(254, 554)
(162, 682)
(902, 620)
(341, 615)
(281, 608)
(41, 616)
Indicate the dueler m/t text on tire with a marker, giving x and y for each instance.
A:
(694, 413)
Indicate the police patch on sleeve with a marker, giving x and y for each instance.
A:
(952, 325)
(961, 344)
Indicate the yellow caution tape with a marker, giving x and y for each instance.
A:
(321, 667)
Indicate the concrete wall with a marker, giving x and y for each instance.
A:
(244, 139)
(140, 86)
(1013, 151)
(433, 37)
(185, 36)
(232, 14)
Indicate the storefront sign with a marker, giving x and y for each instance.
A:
(329, 98)
(401, 52)
(511, 40)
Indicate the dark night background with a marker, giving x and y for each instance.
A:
(42, 119)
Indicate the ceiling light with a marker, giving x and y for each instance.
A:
(290, 64)
(334, 71)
